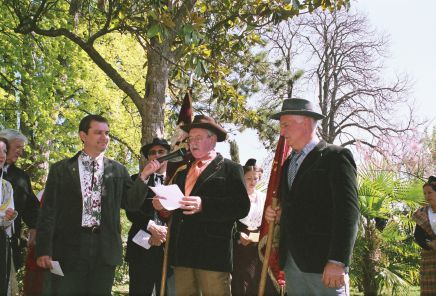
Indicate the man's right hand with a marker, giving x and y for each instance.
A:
(149, 169)
(44, 262)
(272, 215)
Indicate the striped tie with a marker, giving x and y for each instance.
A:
(293, 167)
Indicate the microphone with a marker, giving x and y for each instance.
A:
(175, 156)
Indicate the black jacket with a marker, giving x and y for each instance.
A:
(27, 206)
(204, 240)
(140, 219)
(59, 224)
(320, 211)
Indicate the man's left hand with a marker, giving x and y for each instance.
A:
(190, 205)
(334, 275)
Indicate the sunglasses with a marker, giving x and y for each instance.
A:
(159, 152)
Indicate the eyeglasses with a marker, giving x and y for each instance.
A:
(196, 139)
(159, 152)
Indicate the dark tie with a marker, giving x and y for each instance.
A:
(292, 169)
(158, 179)
(93, 172)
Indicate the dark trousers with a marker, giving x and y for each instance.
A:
(5, 262)
(145, 270)
(90, 276)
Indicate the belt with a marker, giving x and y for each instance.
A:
(91, 229)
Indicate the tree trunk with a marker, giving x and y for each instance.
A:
(152, 113)
(372, 259)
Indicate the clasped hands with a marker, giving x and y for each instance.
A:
(158, 234)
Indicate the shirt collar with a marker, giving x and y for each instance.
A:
(85, 157)
(208, 158)
(5, 167)
(309, 146)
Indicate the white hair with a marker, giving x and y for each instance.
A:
(11, 134)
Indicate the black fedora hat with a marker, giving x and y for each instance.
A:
(155, 142)
(206, 122)
(296, 106)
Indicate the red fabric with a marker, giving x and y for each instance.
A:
(276, 274)
(33, 275)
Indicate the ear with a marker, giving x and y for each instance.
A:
(82, 136)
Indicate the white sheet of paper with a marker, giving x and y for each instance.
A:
(141, 238)
(56, 268)
(254, 237)
(172, 196)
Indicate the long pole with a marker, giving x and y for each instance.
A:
(165, 260)
(268, 246)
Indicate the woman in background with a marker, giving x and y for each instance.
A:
(7, 216)
(247, 266)
(425, 237)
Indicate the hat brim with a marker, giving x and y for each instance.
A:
(312, 114)
(147, 147)
(220, 133)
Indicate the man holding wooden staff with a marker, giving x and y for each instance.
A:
(319, 208)
(200, 248)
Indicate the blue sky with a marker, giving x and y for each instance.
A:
(410, 27)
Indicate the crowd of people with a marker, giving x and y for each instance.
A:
(209, 244)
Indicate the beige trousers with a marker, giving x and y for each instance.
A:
(200, 282)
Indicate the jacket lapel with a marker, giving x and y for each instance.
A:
(208, 172)
(309, 161)
(74, 171)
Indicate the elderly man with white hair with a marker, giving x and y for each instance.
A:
(25, 200)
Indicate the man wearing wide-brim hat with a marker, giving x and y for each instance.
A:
(201, 230)
(145, 262)
(319, 207)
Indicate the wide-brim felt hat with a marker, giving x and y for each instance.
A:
(206, 122)
(156, 141)
(298, 107)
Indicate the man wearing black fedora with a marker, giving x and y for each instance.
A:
(319, 210)
(145, 262)
(201, 230)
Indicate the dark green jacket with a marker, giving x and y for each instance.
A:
(204, 240)
(59, 223)
(320, 211)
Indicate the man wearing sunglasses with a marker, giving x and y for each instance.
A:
(145, 262)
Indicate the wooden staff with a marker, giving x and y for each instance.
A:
(268, 246)
(165, 259)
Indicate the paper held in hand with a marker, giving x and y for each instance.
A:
(172, 193)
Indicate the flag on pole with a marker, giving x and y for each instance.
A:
(179, 136)
(277, 275)
(177, 142)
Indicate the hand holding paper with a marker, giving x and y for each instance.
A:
(56, 268)
(171, 196)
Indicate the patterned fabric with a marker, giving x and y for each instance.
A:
(428, 258)
(292, 170)
(91, 181)
(428, 272)
(293, 167)
(421, 218)
(159, 179)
